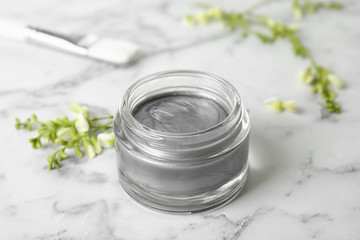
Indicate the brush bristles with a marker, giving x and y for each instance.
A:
(114, 51)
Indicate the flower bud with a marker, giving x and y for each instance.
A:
(91, 151)
(269, 22)
(64, 133)
(58, 121)
(75, 107)
(64, 118)
(189, 20)
(49, 123)
(89, 148)
(215, 12)
(290, 106)
(78, 151)
(47, 138)
(96, 145)
(81, 123)
(61, 142)
(62, 155)
(106, 139)
(202, 18)
(334, 80)
(306, 76)
(297, 10)
(17, 123)
(274, 104)
(85, 111)
(57, 164)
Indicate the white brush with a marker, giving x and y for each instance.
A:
(104, 49)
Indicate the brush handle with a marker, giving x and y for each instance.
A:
(104, 49)
(65, 42)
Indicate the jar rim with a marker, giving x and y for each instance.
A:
(124, 104)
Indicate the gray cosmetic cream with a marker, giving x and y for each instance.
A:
(180, 113)
(182, 141)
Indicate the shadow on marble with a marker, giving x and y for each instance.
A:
(264, 157)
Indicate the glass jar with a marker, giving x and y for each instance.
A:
(182, 172)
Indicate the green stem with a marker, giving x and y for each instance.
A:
(312, 60)
(102, 118)
(261, 4)
(98, 127)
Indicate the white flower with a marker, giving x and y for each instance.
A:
(277, 105)
(290, 106)
(96, 145)
(64, 133)
(274, 104)
(106, 139)
(215, 12)
(85, 111)
(81, 117)
(202, 18)
(293, 27)
(301, 76)
(89, 147)
(297, 10)
(90, 150)
(297, 13)
(306, 76)
(75, 107)
(270, 22)
(189, 21)
(334, 80)
(81, 123)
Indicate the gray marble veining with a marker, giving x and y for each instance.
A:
(304, 168)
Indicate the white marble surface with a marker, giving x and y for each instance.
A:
(305, 168)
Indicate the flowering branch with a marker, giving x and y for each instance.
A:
(82, 132)
(268, 30)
